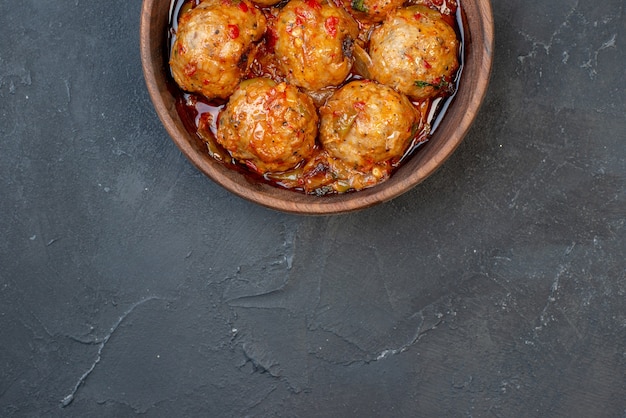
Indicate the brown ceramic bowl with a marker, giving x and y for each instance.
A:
(479, 41)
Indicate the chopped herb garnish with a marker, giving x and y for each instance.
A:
(442, 84)
(422, 84)
(359, 6)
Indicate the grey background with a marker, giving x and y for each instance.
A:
(130, 284)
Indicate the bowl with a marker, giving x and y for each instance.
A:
(478, 31)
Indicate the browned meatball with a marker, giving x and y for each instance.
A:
(210, 53)
(365, 123)
(314, 43)
(416, 52)
(269, 127)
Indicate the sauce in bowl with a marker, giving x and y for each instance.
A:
(320, 173)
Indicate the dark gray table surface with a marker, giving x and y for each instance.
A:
(130, 284)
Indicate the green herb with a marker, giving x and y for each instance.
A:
(359, 6)
(422, 84)
(442, 84)
(414, 129)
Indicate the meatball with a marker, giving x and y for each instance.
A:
(269, 127)
(314, 43)
(371, 11)
(365, 123)
(213, 41)
(416, 52)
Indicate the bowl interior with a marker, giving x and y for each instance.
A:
(478, 41)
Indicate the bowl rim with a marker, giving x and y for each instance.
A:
(290, 201)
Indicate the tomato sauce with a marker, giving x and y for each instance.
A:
(200, 115)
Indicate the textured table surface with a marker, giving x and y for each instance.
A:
(130, 284)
